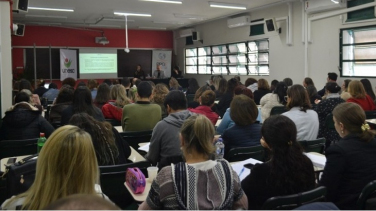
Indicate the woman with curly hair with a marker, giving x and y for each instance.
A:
(159, 94)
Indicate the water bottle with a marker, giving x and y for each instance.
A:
(220, 149)
(41, 142)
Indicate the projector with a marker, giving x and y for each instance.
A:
(102, 40)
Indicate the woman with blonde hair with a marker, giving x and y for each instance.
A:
(113, 109)
(174, 85)
(66, 165)
(185, 185)
(359, 96)
(263, 89)
(195, 103)
(159, 94)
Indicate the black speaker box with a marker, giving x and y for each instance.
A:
(20, 5)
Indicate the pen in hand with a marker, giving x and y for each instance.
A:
(241, 172)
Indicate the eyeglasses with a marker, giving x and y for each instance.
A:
(286, 97)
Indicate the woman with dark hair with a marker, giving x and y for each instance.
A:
(206, 103)
(360, 96)
(245, 132)
(26, 85)
(308, 82)
(195, 103)
(312, 94)
(63, 100)
(288, 82)
(287, 172)
(277, 98)
(326, 107)
(176, 73)
(222, 85)
(110, 147)
(345, 95)
(273, 85)
(227, 122)
(368, 88)
(69, 81)
(103, 95)
(305, 119)
(82, 103)
(350, 163)
(225, 101)
(251, 84)
(40, 90)
(192, 86)
(262, 90)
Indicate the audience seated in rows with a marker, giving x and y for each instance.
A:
(251, 84)
(305, 119)
(206, 103)
(199, 183)
(245, 132)
(308, 82)
(287, 172)
(165, 142)
(82, 103)
(113, 109)
(332, 77)
(40, 90)
(103, 95)
(312, 94)
(66, 165)
(174, 85)
(92, 85)
(62, 101)
(192, 86)
(24, 121)
(345, 95)
(288, 82)
(195, 103)
(69, 81)
(359, 96)
(25, 86)
(110, 147)
(159, 94)
(226, 99)
(227, 122)
(326, 107)
(141, 115)
(350, 164)
(262, 89)
(51, 93)
(270, 100)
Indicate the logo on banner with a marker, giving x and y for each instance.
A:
(67, 64)
(162, 56)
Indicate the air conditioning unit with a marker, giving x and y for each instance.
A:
(185, 32)
(102, 40)
(239, 21)
(315, 6)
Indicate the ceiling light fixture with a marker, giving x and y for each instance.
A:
(227, 6)
(335, 1)
(189, 16)
(51, 9)
(132, 14)
(166, 1)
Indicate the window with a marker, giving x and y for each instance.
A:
(358, 52)
(244, 58)
(363, 14)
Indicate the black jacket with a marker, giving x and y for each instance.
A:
(68, 113)
(350, 166)
(258, 94)
(56, 110)
(23, 121)
(224, 103)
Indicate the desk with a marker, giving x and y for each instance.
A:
(371, 121)
(140, 197)
(135, 156)
(318, 160)
(119, 129)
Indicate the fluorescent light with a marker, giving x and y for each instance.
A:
(227, 6)
(189, 16)
(45, 16)
(335, 1)
(132, 14)
(51, 9)
(117, 19)
(168, 22)
(150, 27)
(166, 1)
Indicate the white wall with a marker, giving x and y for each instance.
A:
(5, 57)
(284, 61)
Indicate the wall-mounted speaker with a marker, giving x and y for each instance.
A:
(20, 5)
(19, 30)
(271, 25)
(195, 36)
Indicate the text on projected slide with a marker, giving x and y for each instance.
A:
(98, 63)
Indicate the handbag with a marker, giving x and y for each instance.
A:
(135, 180)
(20, 175)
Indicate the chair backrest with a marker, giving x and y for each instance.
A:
(113, 122)
(369, 191)
(190, 97)
(112, 179)
(329, 123)
(278, 110)
(317, 145)
(295, 200)
(12, 148)
(243, 153)
(134, 138)
(370, 114)
(169, 160)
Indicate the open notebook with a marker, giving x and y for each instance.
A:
(318, 160)
(241, 170)
(145, 147)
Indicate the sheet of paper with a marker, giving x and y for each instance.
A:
(240, 170)
(145, 147)
(317, 159)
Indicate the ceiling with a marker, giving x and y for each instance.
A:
(100, 13)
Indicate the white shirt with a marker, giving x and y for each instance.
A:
(267, 102)
(307, 123)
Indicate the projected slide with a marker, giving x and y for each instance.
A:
(96, 63)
